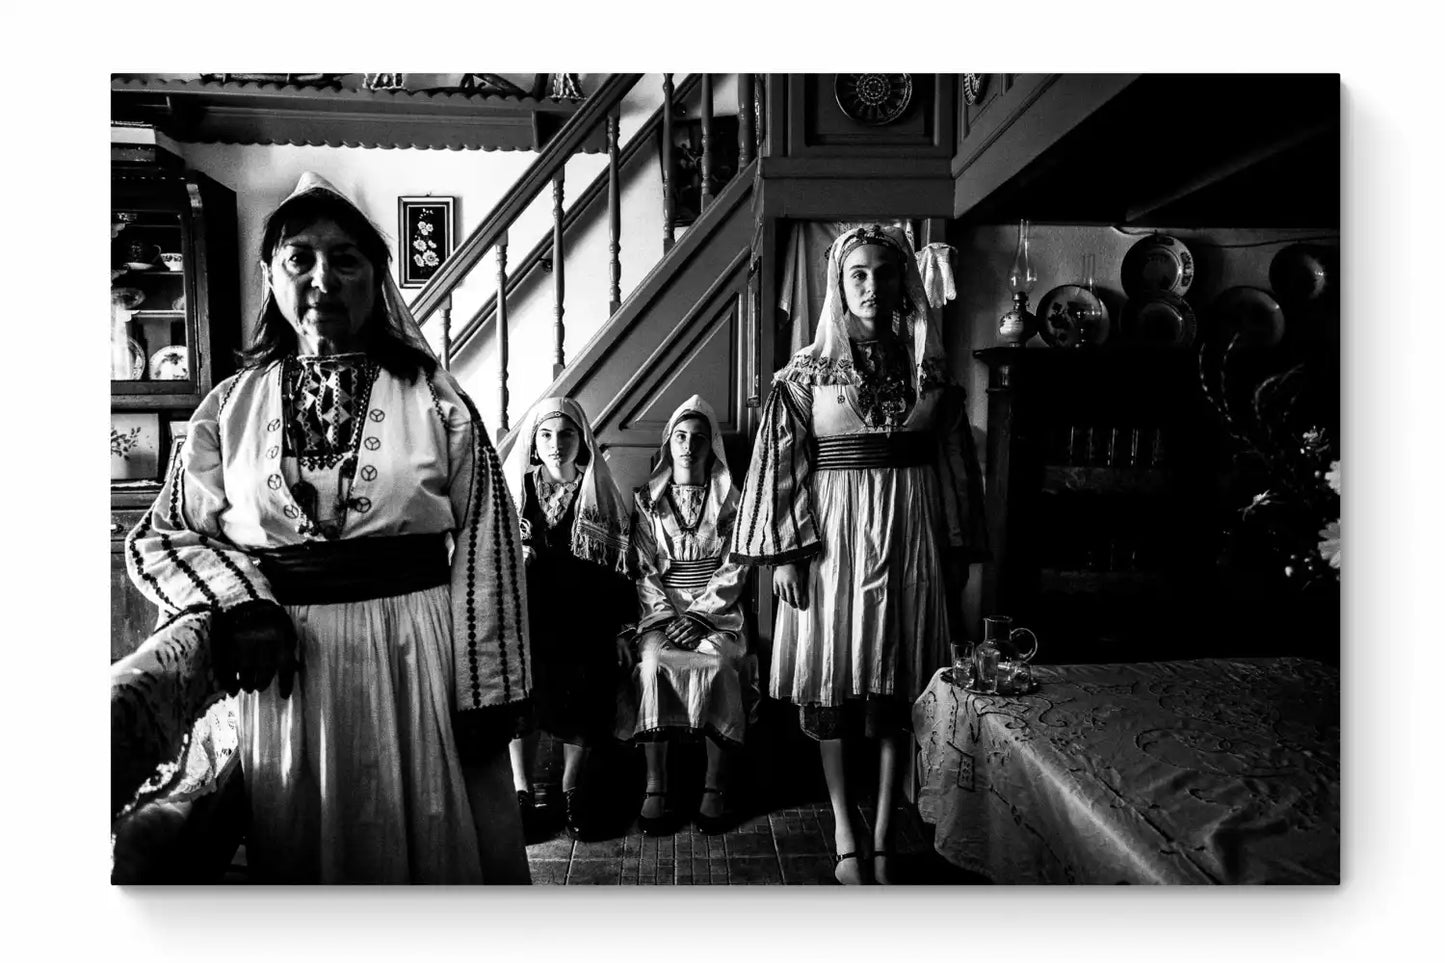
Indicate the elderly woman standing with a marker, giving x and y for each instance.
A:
(864, 495)
(312, 510)
(692, 672)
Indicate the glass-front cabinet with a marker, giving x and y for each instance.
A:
(174, 323)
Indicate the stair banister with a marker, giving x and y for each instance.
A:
(543, 170)
(542, 251)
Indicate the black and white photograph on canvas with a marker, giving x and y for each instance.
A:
(872, 479)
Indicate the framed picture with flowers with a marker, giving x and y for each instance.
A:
(428, 234)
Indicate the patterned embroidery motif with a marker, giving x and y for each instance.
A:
(324, 398)
(885, 394)
(556, 497)
(137, 563)
(273, 451)
(377, 414)
(274, 424)
(809, 370)
(689, 501)
(291, 512)
(273, 482)
(361, 504)
(372, 443)
(436, 402)
(368, 473)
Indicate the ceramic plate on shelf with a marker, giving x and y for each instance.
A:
(1251, 313)
(1160, 319)
(127, 298)
(1299, 272)
(170, 364)
(128, 361)
(1071, 315)
(1160, 263)
(138, 265)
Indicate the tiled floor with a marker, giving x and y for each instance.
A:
(789, 846)
(791, 843)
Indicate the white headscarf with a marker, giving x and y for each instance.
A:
(720, 480)
(401, 315)
(829, 359)
(599, 533)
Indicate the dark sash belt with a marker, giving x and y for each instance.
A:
(691, 575)
(902, 449)
(355, 569)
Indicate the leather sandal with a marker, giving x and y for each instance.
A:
(838, 861)
(714, 825)
(654, 825)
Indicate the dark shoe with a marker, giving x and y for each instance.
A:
(655, 825)
(572, 819)
(531, 818)
(714, 825)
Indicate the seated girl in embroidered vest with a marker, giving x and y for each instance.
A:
(692, 672)
(574, 530)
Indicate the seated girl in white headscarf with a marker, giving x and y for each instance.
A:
(692, 669)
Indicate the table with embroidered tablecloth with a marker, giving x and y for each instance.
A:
(1203, 771)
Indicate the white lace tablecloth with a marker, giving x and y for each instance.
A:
(1208, 771)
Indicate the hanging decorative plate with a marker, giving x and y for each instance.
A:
(1157, 264)
(170, 364)
(1299, 273)
(1250, 313)
(873, 99)
(973, 85)
(1161, 319)
(1071, 315)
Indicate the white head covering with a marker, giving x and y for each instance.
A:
(720, 480)
(396, 307)
(829, 359)
(599, 533)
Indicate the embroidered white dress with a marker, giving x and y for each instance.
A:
(864, 468)
(680, 543)
(356, 777)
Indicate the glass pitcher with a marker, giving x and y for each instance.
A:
(1012, 673)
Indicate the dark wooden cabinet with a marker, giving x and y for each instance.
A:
(1114, 500)
(174, 327)
(1102, 502)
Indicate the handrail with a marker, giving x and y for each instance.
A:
(591, 194)
(539, 175)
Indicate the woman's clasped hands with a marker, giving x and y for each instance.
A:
(684, 633)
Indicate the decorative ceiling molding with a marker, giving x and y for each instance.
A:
(240, 112)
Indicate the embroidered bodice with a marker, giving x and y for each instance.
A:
(555, 497)
(689, 501)
(885, 394)
(325, 399)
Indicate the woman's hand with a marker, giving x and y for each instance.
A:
(625, 658)
(790, 583)
(684, 633)
(252, 644)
